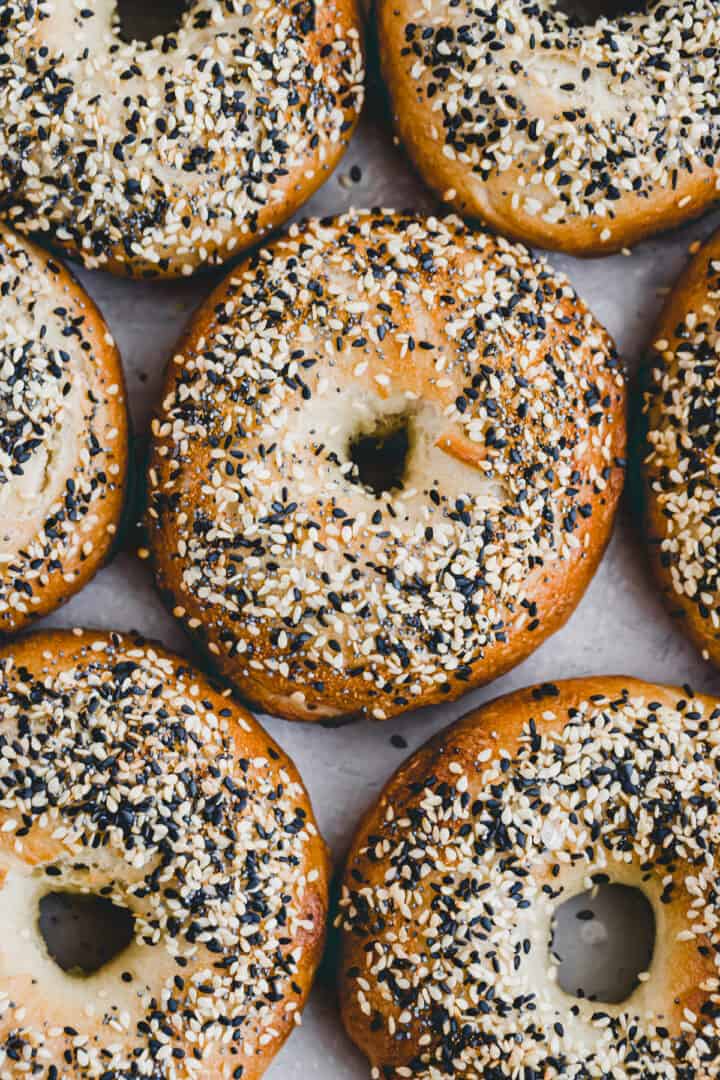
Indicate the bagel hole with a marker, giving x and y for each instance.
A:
(84, 932)
(603, 940)
(141, 21)
(587, 12)
(380, 455)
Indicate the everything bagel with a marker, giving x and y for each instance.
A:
(64, 438)
(580, 138)
(158, 159)
(681, 459)
(385, 465)
(454, 878)
(125, 775)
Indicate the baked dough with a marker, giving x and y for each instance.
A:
(158, 159)
(454, 878)
(492, 406)
(63, 434)
(681, 459)
(584, 139)
(125, 774)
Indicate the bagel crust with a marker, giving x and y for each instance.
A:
(158, 159)
(63, 434)
(125, 774)
(454, 877)
(584, 139)
(681, 463)
(318, 595)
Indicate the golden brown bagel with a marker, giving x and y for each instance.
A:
(123, 772)
(584, 139)
(454, 876)
(63, 434)
(681, 462)
(323, 587)
(157, 159)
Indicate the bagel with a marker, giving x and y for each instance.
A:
(681, 461)
(490, 405)
(63, 435)
(454, 878)
(125, 774)
(584, 139)
(156, 159)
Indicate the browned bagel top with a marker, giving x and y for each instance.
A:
(125, 773)
(681, 462)
(454, 875)
(63, 434)
(583, 138)
(318, 593)
(158, 158)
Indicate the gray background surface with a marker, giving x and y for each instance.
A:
(620, 626)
